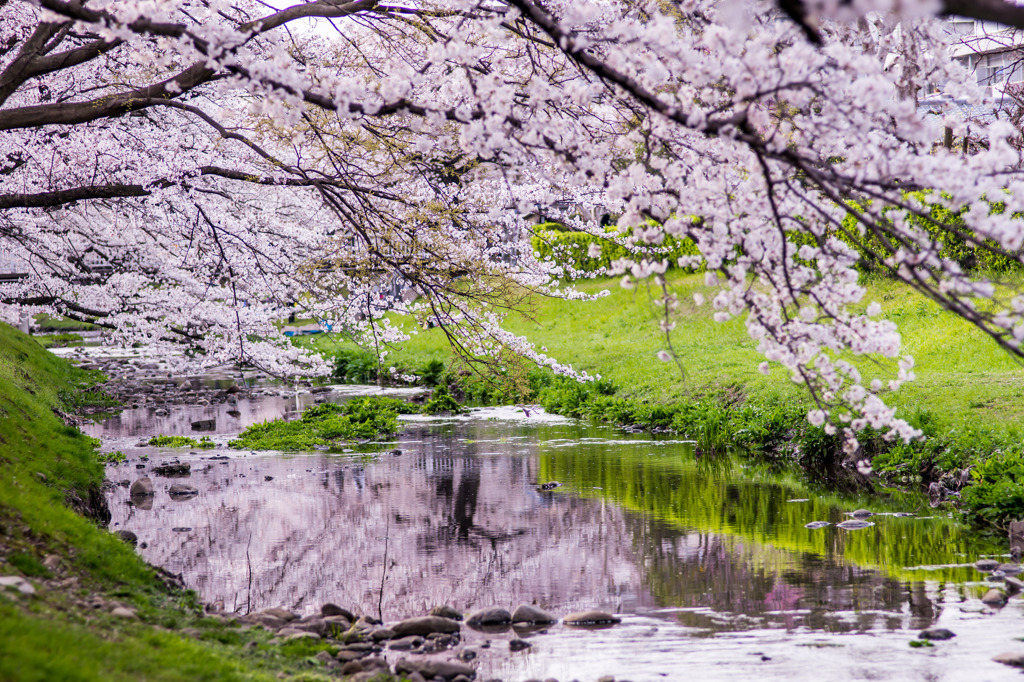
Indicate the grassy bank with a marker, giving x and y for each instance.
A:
(98, 611)
(968, 397)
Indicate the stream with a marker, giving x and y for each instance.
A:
(711, 569)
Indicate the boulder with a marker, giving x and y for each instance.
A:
(425, 625)
(486, 617)
(380, 634)
(122, 612)
(446, 611)
(525, 613)
(591, 618)
(291, 634)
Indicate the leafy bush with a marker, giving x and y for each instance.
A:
(571, 249)
(946, 227)
(355, 366)
(996, 493)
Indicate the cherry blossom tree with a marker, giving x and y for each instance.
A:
(231, 160)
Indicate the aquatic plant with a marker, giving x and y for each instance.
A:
(163, 441)
(328, 426)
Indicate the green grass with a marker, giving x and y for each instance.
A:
(962, 376)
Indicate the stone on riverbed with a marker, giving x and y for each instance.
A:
(283, 614)
(487, 617)
(525, 613)
(406, 643)
(425, 625)
(431, 669)
(591, 618)
(446, 611)
(335, 610)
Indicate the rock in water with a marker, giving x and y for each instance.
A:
(994, 597)
(142, 488)
(519, 645)
(861, 513)
(815, 525)
(525, 613)
(127, 536)
(986, 565)
(446, 611)
(181, 490)
(855, 524)
(489, 617)
(591, 618)
(425, 625)
(1011, 658)
(936, 634)
(173, 469)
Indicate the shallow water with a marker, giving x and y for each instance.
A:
(712, 569)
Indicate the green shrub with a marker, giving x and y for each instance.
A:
(996, 492)
(570, 249)
(355, 366)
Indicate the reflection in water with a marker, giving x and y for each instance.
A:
(457, 518)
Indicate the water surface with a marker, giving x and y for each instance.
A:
(713, 571)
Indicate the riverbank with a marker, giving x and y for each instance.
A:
(968, 397)
(76, 601)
